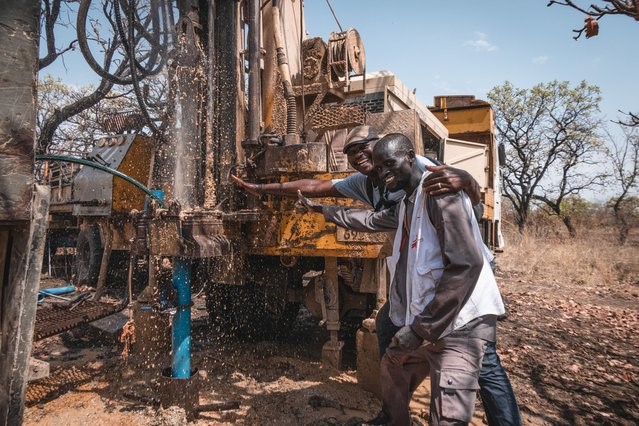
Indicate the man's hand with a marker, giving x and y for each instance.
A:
(445, 179)
(406, 339)
(251, 188)
(304, 205)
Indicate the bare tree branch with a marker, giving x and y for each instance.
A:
(624, 158)
(60, 115)
(631, 121)
(51, 13)
(597, 11)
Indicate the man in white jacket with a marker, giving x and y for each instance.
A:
(443, 294)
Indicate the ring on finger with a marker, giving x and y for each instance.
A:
(439, 185)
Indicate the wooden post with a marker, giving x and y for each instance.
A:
(23, 205)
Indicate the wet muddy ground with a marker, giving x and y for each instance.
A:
(570, 350)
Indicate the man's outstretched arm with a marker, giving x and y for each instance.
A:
(308, 187)
(356, 219)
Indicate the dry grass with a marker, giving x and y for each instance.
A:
(592, 259)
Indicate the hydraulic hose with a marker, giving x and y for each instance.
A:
(89, 163)
(81, 24)
(130, 49)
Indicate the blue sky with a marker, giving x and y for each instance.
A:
(469, 47)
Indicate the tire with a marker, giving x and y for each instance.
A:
(88, 256)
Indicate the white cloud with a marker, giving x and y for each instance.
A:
(481, 43)
(540, 60)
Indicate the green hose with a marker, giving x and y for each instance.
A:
(89, 163)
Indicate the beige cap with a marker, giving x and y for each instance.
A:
(360, 134)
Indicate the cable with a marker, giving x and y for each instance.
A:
(334, 15)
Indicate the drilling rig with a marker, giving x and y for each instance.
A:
(250, 95)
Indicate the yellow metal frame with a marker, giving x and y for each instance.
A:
(308, 234)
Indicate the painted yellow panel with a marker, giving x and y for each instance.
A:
(469, 120)
(136, 164)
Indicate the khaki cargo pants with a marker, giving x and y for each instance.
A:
(453, 364)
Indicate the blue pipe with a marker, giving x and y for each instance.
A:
(181, 365)
(55, 291)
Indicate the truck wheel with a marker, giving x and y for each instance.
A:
(88, 256)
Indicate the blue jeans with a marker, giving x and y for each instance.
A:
(497, 394)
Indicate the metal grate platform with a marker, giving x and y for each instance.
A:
(52, 319)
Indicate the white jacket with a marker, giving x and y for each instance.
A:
(425, 268)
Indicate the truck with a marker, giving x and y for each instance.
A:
(251, 95)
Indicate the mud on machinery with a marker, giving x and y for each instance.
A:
(249, 97)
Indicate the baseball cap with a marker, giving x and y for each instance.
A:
(360, 134)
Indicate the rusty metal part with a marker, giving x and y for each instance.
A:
(314, 60)
(312, 110)
(51, 320)
(116, 123)
(346, 53)
(338, 117)
(254, 87)
(164, 236)
(57, 383)
(152, 337)
(285, 73)
(406, 122)
(105, 235)
(332, 349)
(204, 236)
(308, 157)
(183, 393)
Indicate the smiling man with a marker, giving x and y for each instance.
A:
(364, 185)
(444, 299)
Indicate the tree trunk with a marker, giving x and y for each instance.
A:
(522, 219)
(571, 229)
(23, 205)
(623, 228)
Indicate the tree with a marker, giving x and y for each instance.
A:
(550, 134)
(122, 42)
(596, 11)
(624, 158)
(75, 136)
